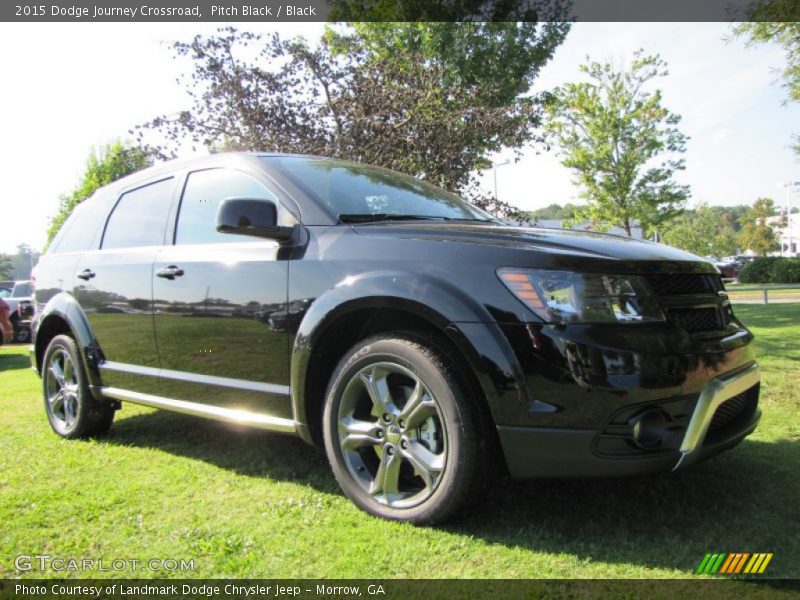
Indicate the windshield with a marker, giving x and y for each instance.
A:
(21, 290)
(351, 190)
(5, 292)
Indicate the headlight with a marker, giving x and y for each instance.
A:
(567, 297)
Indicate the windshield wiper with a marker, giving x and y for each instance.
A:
(378, 217)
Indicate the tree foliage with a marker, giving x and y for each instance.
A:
(757, 234)
(701, 232)
(777, 21)
(103, 166)
(612, 133)
(6, 268)
(433, 100)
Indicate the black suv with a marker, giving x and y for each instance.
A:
(423, 343)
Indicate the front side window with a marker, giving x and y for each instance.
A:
(140, 216)
(197, 219)
(352, 190)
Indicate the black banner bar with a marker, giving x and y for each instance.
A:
(390, 589)
(276, 11)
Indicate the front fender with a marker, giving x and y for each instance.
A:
(466, 323)
(64, 308)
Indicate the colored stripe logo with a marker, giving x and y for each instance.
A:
(735, 563)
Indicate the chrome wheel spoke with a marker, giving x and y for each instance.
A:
(57, 372)
(378, 389)
(57, 402)
(69, 410)
(356, 433)
(387, 478)
(422, 412)
(426, 464)
(69, 372)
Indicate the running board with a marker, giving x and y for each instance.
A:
(228, 415)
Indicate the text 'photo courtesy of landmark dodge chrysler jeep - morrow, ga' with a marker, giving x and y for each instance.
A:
(423, 343)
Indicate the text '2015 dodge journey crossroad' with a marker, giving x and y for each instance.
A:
(422, 342)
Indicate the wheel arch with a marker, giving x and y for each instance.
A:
(360, 307)
(63, 315)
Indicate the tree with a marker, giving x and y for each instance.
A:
(405, 96)
(6, 268)
(611, 132)
(24, 261)
(777, 21)
(701, 232)
(756, 234)
(103, 166)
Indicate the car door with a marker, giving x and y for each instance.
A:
(113, 285)
(214, 294)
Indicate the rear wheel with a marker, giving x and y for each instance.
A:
(70, 407)
(401, 433)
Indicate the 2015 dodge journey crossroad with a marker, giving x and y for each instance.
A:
(424, 344)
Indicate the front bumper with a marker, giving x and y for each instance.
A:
(561, 452)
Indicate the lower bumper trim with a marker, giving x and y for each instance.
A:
(717, 391)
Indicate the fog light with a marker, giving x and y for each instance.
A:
(649, 428)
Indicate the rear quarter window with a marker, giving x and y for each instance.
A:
(80, 229)
(140, 217)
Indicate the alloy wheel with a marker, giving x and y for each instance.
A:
(62, 390)
(391, 435)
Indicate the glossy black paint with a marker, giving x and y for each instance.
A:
(253, 313)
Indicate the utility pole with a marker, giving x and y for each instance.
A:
(494, 170)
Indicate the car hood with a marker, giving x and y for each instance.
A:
(585, 244)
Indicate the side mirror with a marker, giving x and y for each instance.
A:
(248, 216)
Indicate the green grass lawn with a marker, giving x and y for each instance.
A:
(249, 503)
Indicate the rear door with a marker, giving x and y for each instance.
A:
(114, 286)
(214, 294)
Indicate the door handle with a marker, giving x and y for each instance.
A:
(86, 274)
(170, 272)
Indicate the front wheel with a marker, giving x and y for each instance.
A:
(401, 432)
(70, 407)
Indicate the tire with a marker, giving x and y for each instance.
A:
(415, 457)
(72, 410)
(22, 335)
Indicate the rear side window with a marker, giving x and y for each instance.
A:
(140, 216)
(78, 232)
(197, 220)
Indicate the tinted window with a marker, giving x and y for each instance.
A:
(197, 220)
(356, 189)
(78, 232)
(139, 217)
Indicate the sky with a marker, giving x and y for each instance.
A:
(67, 87)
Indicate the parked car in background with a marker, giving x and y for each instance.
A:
(6, 329)
(728, 270)
(20, 303)
(423, 343)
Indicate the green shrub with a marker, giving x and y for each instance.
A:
(786, 270)
(758, 270)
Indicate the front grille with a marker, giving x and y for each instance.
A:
(694, 320)
(679, 284)
(680, 291)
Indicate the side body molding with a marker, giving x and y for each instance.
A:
(64, 306)
(466, 323)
